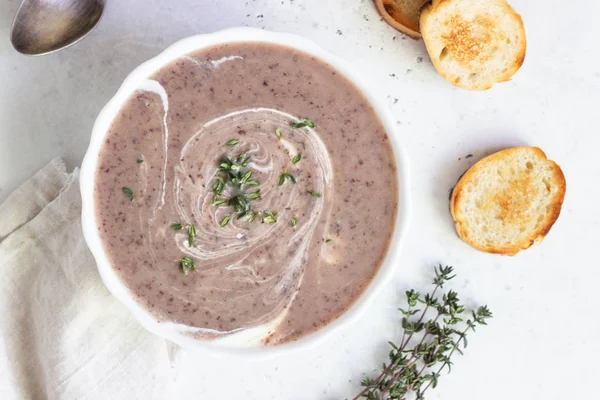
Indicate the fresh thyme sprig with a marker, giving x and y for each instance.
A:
(439, 329)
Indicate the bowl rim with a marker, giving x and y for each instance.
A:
(109, 112)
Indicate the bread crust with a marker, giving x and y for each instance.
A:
(535, 237)
(438, 6)
(392, 15)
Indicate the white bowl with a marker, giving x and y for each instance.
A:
(104, 121)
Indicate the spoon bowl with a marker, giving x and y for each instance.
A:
(44, 26)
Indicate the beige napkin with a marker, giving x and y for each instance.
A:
(62, 335)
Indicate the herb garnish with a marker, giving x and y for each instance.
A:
(191, 234)
(293, 222)
(315, 194)
(283, 178)
(187, 265)
(247, 215)
(219, 185)
(304, 122)
(328, 240)
(139, 161)
(128, 192)
(219, 202)
(245, 177)
(232, 142)
(225, 221)
(191, 231)
(227, 164)
(278, 133)
(253, 195)
(412, 370)
(239, 203)
(296, 158)
(233, 174)
(269, 218)
(237, 179)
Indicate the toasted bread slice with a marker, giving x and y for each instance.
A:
(402, 15)
(508, 201)
(474, 44)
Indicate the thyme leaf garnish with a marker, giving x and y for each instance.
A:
(177, 227)
(191, 234)
(304, 122)
(269, 218)
(187, 265)
(128, 192)
(225, 221)
(283, 178)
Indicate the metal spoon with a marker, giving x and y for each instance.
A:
(44, 26)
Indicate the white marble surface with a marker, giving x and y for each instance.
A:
(545, 338)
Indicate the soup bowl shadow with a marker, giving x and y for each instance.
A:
(90, 164)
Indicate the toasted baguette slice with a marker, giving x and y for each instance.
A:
(474, 44)
(402, 15)
(508, 201)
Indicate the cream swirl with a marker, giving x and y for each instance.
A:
(236, 260)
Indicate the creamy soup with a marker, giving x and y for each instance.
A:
(246, 189)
